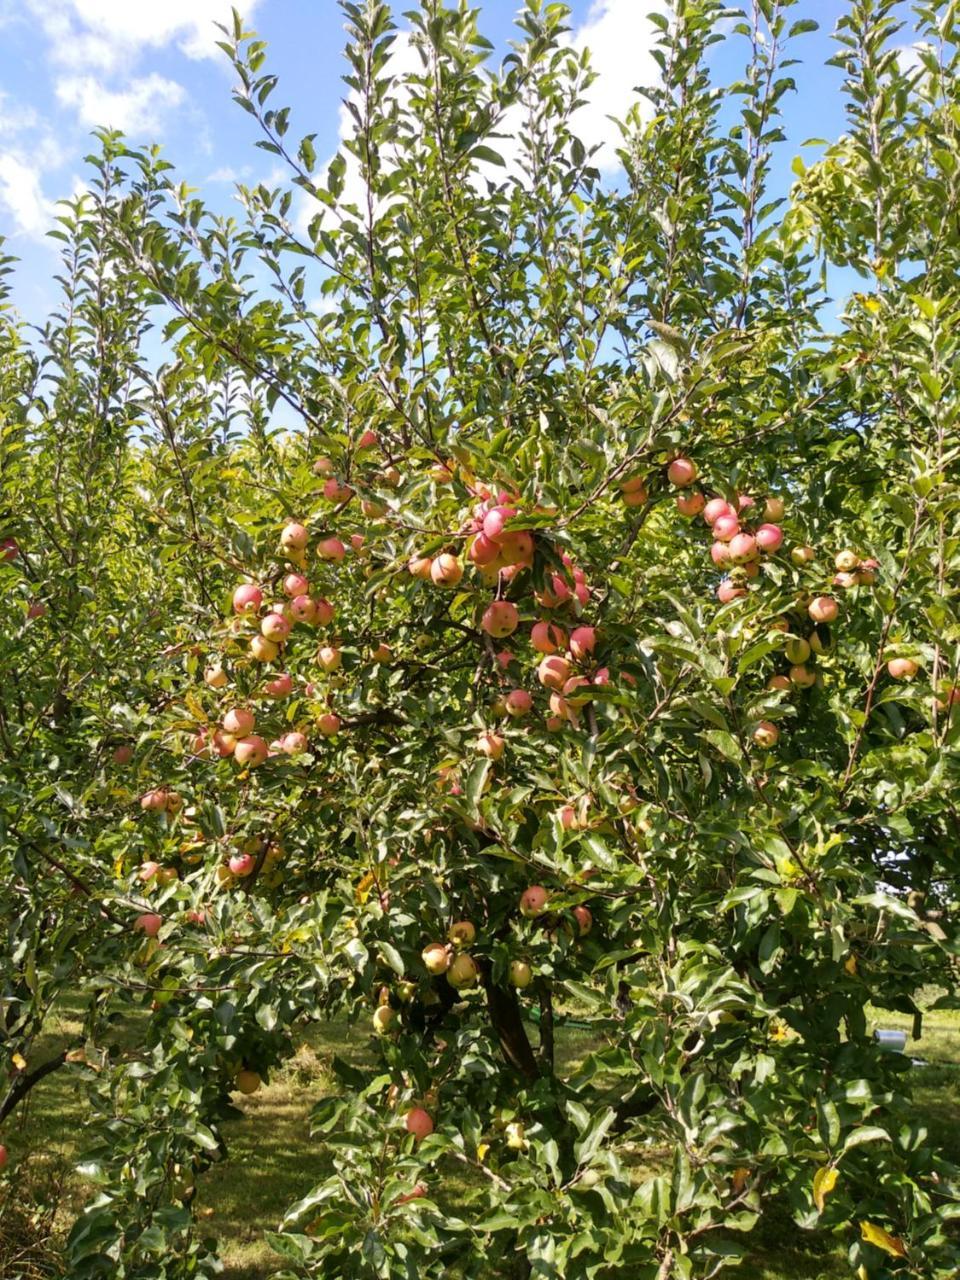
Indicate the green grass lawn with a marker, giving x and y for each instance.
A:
(273, 1161)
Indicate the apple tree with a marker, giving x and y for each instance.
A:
(548, 658)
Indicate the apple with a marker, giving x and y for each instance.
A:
(823, 609)
(802, 676)
(682, 472)
(483, 551)
(251, 751)
(263, 650)
(533, 901)
(329, 658)
(779, 684)
(802, 555)
(147, 871)
(247, 1081)
(797, 650)
(331, 549)
(518, 703)
(547, 637)
(215, 677)
(242, 864)
(462, 933)
(717, 507)
(583, 641)
(293, 744)
(384, 1019)
(9, 550)
(323, 612)
(436, 957)
(149, 923)
(368, 439)
(690, 504)
(720, 554)
(418, 1122)
(902, 668)
(323, 467)
(553, 671)
(36, 609)
(295, 584)
(247, 598)
(774, 509)
(635, 484)
(3, 1150)
(154, 801)
(303, 609)
(382, 653)
(728, 590)
(494, 521)
(520, 973)
(491, 745)
(726, 527)
(418, 1192)
(769, 537)
(463, 972)
(446, 570)
(239, 722)
(584, 919)
(846, 561)
(275, 627)
(293, 537)
(500, 619)
(372, 510)
(420, 567)
(280, 686)
(766, 735)
(123, 754)
(329, 724)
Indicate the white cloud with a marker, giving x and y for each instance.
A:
(137, 108)
(620, 38)
(21, 195)
(106, 34)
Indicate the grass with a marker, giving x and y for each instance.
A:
(273, 1161)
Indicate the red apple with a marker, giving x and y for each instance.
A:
(262, 649)
(149, 923)
(823, 609)
(419, 1123)
(902, 668)
(293, 537)
(717, 507)
(328, 724)
(331, 549)
(518, 702)
(242, 864)
(295, 584)
(247, 598)
(533, 901)
(250, 751)
(279, 687)
(547, 637)
(769, 537)
(690, 504)
(446, 570)
(500, 619)
(329, 658)
(239, 722)
(553, 671)
(583, 641)
(682, 472)
(584, 919)
(766, 735)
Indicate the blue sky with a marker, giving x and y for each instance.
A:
(154, 71)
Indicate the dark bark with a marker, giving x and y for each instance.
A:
(508, 1023)
(545, 996)
(24, 1083)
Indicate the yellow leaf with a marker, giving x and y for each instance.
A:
(824, 1180)
(193, 705)
(850, 964)
(739, 1179)
(20, 1063)
(883, 1240)
(482, 1150)
(364, 885)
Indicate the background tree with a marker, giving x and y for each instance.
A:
(595, 655)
